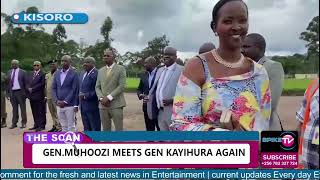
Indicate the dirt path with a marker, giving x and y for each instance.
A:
(11, 140)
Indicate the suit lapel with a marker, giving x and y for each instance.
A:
(20, 77)
(145, 79)
(67, 76)
(154, 76)
(59, 77)
(263, 60)
(157, 76)
(81, 80)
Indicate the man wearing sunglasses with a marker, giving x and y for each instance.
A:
(36, 93)
(110, 91)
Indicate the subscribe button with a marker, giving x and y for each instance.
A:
(49, 18)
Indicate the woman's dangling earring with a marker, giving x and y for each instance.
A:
(215, 33)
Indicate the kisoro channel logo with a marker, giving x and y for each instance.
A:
(49, 18)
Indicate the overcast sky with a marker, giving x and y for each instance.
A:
(185, 22)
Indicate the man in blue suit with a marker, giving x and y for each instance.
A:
(65, 94)
(89, 103)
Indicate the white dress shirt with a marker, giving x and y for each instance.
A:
(63, 75)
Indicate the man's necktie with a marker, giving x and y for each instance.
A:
(13, 76)
(34, 75)
(108, 71)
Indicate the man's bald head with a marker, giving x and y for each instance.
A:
(170, 51)
(90, 60)
(150, 63)
(14, 61)
(254, 46)
(14, 64)
(170, 56)
(206, 47)
(109, 56)
(36, 65)
(151, 60)
(88, 63)
(259, 40)
(66, 61)
(66, 58)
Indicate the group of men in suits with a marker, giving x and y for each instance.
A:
(19, 86)
(98, 93)
(157, 88)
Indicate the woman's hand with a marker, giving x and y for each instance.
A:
(235, 123)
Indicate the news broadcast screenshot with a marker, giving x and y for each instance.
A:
(160, 89)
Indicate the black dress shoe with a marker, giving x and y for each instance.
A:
(23, 126)
(39, 129)
(58, 130)
(33, 128)
(13, 126)
(3, 125)
(53, 129)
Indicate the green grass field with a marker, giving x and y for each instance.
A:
(291, 86)
(132, 83)
(296, 84)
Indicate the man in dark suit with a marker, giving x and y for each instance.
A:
(36, 95)
(89, 103)
(17, 79)
(146, 82)
(65, 94)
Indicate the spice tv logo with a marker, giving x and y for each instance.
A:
(276, 141)
(49, 18)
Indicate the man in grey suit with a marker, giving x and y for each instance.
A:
(206, 47)
(166, 87)
(17, 79)
(110, 86)
(254, 47)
